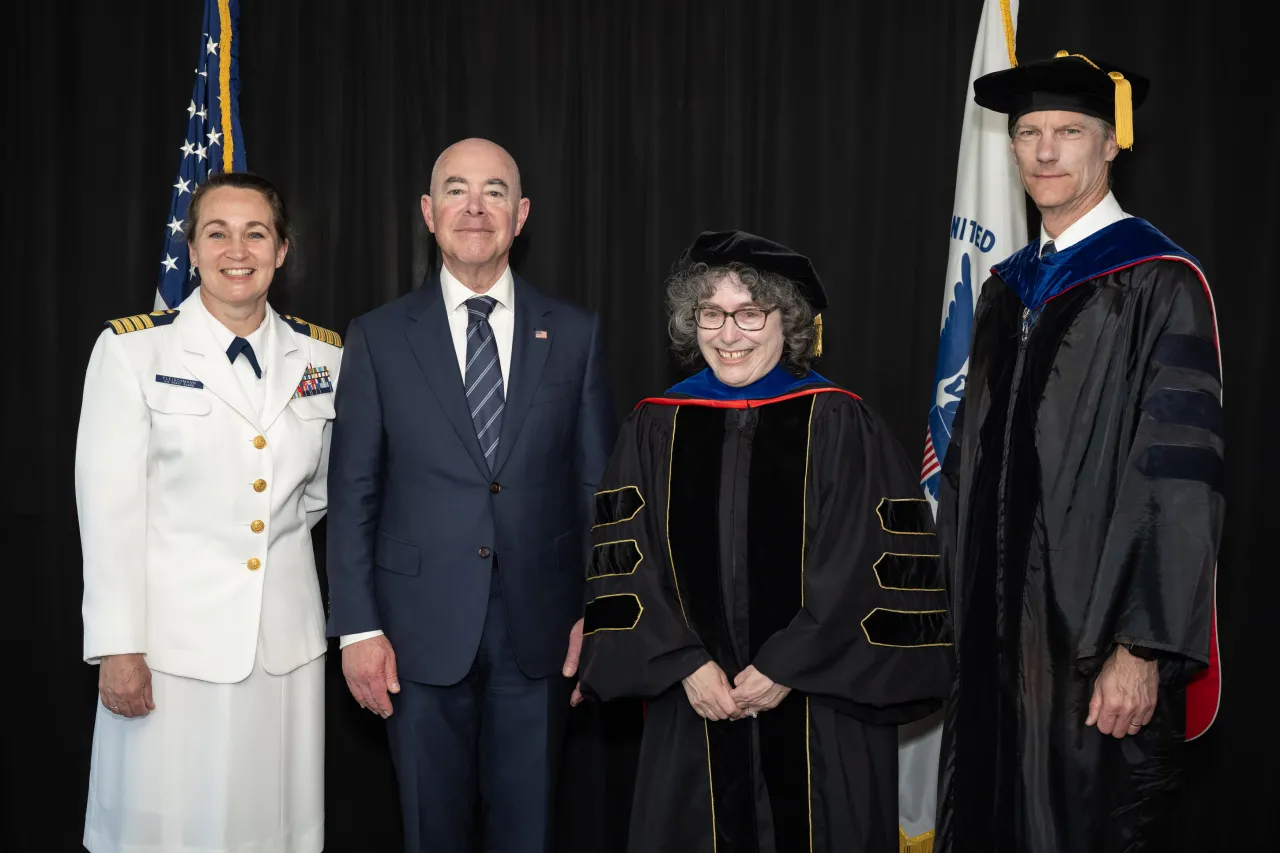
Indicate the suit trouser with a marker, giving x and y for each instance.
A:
(495, 737)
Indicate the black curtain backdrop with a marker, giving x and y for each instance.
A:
(830, 126)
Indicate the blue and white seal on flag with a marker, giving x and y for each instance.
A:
(949, 375)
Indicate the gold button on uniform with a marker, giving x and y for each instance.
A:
(254, 564)
(259, 442)
(257, 526)
(259, 485)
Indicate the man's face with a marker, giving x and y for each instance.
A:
(1062, 158)
(475, 210)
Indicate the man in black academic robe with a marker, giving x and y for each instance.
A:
(1081, 504)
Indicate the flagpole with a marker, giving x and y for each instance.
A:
(988, 223)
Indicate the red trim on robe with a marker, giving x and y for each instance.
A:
(1204, 690)
(741, 404)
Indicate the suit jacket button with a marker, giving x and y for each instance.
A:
(257, 526)
(484, 552)
(259, 442)
(495, 487)
(259, 485)
(254, 564)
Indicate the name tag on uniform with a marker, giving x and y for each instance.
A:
(179, 381)
(315, 380)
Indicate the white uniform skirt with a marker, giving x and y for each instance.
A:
(233, 768)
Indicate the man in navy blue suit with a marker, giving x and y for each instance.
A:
(474, 421)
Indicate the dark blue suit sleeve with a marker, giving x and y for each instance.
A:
(355, 483)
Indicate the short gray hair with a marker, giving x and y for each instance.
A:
(688, 288)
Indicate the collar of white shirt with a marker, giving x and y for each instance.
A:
(222, 336)
(1104, 213)
(456, 293)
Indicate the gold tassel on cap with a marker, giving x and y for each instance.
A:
(1124, 101)
(817, 340)
(1124, 110)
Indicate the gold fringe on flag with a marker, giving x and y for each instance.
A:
(224, 84)
(1006, 16)
(922, 843)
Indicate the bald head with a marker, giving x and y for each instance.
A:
(475, 210)
(473, 149)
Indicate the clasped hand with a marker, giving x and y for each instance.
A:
(713, 698)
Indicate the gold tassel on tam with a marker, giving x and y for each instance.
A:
(1124, 101)
(1124, 110)
(817, 340)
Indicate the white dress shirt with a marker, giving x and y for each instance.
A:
(1104, 213)
(503, 322)
(255, 387)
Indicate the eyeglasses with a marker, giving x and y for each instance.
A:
(748, 319)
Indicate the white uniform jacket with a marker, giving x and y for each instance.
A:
(195, 511)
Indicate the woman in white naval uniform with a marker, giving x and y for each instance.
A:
(200, 468)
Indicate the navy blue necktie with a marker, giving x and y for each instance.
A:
(483, 376)
(1048, 249)
(240, 345)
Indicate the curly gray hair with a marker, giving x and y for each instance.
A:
(690, 287)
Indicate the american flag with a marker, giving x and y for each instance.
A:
(213, 142)
(988, 223)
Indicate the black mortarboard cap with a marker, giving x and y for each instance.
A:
(721, 248)
(1068, 81)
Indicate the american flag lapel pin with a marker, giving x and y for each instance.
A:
(540, 334)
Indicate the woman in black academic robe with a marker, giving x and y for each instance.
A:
(764, 574)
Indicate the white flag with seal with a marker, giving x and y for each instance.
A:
(988, 223)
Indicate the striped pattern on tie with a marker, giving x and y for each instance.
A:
(483, 376)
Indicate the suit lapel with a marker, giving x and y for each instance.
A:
(528, 357)
(208, 363)
(432, 346)
(287, 362)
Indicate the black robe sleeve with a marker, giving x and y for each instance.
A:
(636, 641)
(872, 637)
(948, 515)
(1154, 587)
